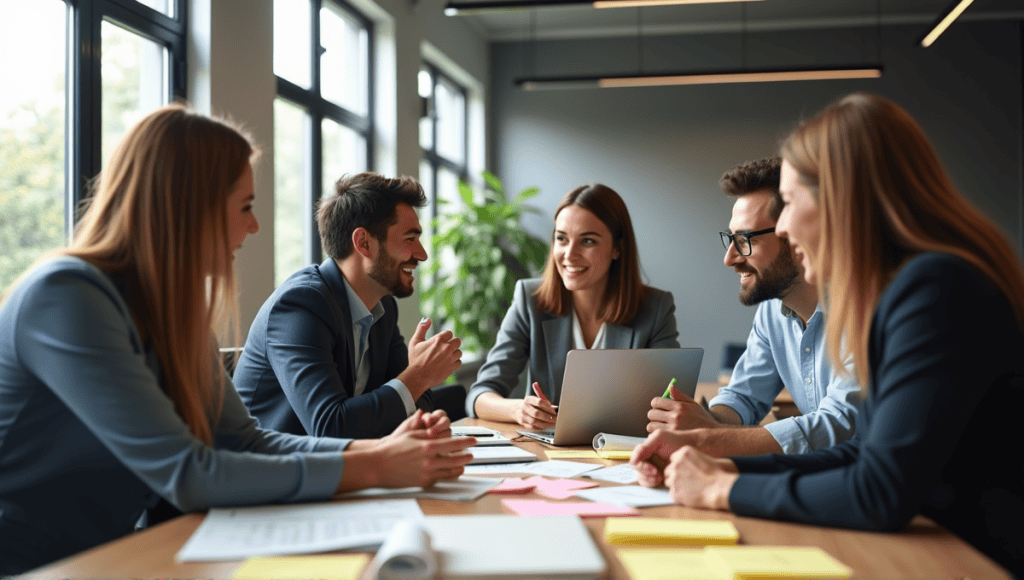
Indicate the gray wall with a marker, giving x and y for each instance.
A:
(663, 149)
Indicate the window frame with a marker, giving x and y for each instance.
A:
(430, 155)
(319, 108)
(84, 121)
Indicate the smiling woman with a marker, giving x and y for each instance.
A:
(591, 296)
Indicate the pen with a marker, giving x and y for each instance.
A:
(668, 389)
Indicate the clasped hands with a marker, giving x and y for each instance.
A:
(694, 479)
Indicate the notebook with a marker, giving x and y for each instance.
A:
(610, 390)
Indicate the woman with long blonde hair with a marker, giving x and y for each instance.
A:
(925, 295)
(111, 392)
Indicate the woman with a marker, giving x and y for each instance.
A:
(110, 393)
(591, 296)
(925, 295)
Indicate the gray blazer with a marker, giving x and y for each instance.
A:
(530, 335)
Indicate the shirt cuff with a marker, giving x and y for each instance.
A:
(789, 436)
(736, 404)
(403, 391)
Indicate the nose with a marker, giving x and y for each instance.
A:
(254, 227)
(782, 228)
(419, 252)
(732, 257)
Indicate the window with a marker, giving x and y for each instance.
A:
(322, 117)
(443, 137)
(63, 110)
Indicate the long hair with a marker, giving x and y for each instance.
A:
(884, 197)
(158, 217)
(625, 293)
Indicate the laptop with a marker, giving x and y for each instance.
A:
(610, 391)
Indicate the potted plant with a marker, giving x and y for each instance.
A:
(480, 252)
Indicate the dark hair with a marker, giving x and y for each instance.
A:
(364, 200)
(625, 292)
(754, 176)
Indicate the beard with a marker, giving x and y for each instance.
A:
(774, 281)
(387, 272)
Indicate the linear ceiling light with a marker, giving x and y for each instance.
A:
(699, 78)
(952, 13)
(463, 7)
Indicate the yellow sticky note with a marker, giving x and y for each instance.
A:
(666, 564)
(571, 454)
(669, 532)
(764, 562)
(340, 567)
(615, 454)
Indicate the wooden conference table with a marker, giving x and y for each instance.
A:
(924, 550)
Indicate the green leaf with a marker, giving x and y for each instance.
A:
(493, 182)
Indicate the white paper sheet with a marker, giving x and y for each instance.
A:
(610, 442)
(560, 468)
(500, 454)
(461, 489)
(497, 468)
(621, 473)
(234, 533)
(628, 495)
(485, 437)
(407, 554)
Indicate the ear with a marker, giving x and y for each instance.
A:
(361, 242)
(615, 252)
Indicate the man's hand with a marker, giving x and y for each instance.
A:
(679, 413)
(435, 425)
(698, 480)
(410, 459)
(535, 412)
(432, 360)
(652, 456)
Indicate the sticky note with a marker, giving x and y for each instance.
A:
(667, 564)
(571, 454)
(513, 485)
(614, 454)
(669, 532)
(340, 567)
(528, 507)
(559, 488)
(763, 562)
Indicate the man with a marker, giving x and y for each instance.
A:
(785, 348)
(324, 355)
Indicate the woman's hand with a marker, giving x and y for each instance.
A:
(408, 459)
(698, 480)
(535, 412)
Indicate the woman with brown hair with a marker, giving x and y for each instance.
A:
(591, 296)
(924, 294)
(111, 392)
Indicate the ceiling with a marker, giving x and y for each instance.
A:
(582, 22)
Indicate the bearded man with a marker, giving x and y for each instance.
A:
(786, 346)
(324, 356)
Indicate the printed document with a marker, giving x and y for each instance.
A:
(235, 533)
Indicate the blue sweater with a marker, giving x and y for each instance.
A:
(947, 387)
(89, 439)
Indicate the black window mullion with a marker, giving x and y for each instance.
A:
(315, 253)
(85, 128)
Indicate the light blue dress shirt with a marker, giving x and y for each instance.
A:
(362, 320)
(782, 353)
(89, 439)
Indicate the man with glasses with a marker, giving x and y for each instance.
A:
(786, 346)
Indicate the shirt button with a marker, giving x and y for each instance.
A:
(808, 349)
(808, 381)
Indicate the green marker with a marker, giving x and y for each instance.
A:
(668, 389)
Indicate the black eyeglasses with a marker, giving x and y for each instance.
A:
(742, 240)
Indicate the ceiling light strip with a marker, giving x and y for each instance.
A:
(945, 22)
(466, 7)
(739, 77)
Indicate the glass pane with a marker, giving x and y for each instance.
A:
(165, 6)
(451, 122)
(344, 152)
(427, 181)
(32, 134)
(293, 41)
(291, 186)
(344, 60)
(134, 73)
(425, 84)
(448, 190)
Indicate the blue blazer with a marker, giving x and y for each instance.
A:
(297, 373)
(529, 334)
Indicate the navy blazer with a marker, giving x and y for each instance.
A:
(529, 334)
(297, 373)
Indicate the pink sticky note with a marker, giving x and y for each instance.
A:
(562, 488)
(512, 485)
(533, 507)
